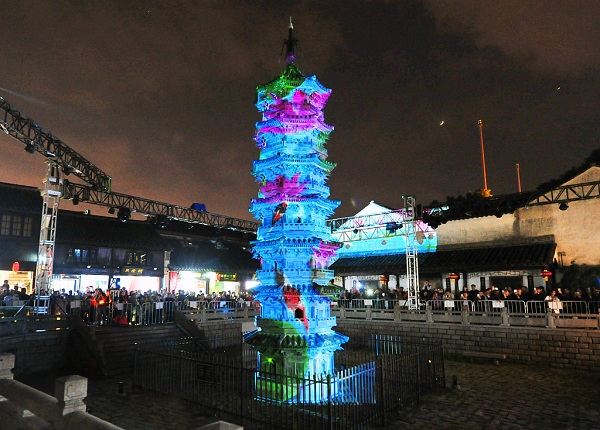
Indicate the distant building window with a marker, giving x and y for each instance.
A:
(5, 231)
(82, 256)
(138, 258)
(27, 226)
(16, 226)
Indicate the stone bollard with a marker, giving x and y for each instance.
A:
(70, 391)
(221, 425)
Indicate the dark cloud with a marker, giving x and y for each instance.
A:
(553, 34)
(160, 94)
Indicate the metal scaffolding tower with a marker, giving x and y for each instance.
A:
(412, 261)
(62, 160)
(400, 222)
(51, 194)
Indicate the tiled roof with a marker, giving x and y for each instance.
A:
(530, 256)
(204, 256)
(78, 228)
(20, 199)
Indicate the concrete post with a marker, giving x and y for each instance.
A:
(429, 315)
(7, 364)
(550, 323)
(465, 316)
(505, 322)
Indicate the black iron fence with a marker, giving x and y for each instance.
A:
(373, 378)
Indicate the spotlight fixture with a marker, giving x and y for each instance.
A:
(563, 206)
(124, 214)
(161, 221)
(111, 210)
(30, 148)
(76, 199)
(67, 170)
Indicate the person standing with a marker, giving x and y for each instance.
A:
(473, 295)
(101, 303)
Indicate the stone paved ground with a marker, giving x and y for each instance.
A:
(505, 396)
(509, 396)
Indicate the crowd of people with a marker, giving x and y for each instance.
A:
(10, 295)
(121, 306)
(98, 306)
(474, 298)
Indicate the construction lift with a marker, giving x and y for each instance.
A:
(61, 161)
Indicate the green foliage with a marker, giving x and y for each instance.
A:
(582, 276)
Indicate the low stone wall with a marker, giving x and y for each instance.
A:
(46, 351)
(36, 352)
(555, 347)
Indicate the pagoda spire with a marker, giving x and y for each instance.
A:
(290, 44)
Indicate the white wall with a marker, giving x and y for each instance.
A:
(576, 230)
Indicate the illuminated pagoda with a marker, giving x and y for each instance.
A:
(295, 335)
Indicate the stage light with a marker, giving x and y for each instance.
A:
(76, 199)
(111, 211)
(30, 148)
(563, 206)
(123, 214)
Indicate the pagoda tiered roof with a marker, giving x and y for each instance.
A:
(284, 85)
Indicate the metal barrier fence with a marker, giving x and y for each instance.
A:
(145, 313)
(122, 314)
(369, 383)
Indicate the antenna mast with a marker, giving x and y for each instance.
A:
(485, 192)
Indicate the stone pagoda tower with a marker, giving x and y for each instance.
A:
(295, 335)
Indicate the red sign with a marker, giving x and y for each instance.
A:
(16, 266)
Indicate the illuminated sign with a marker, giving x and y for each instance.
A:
(132, 271)
(227, 277)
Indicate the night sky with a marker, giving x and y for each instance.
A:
(160, 94)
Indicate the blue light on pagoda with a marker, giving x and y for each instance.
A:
(295, 335)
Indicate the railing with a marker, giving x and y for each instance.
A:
(560, 314)
(373, 377)
(26, 407)
(563, 314)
